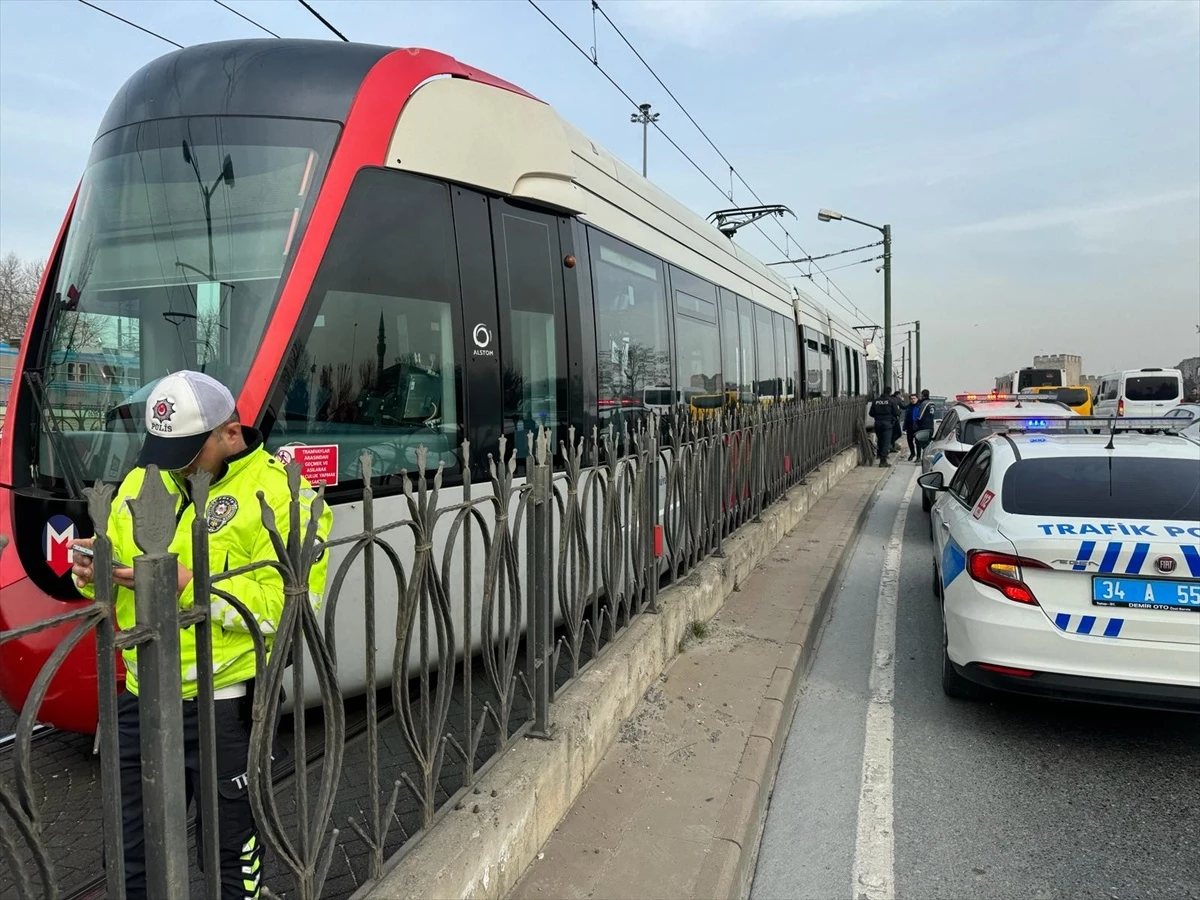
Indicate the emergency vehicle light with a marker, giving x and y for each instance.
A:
(1003, 397)
(1095, 424)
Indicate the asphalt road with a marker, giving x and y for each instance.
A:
(1004, 798)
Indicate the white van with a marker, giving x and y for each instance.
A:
(1138, 392)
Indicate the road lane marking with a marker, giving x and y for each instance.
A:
(874, 851)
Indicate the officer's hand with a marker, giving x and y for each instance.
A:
(81, 566)
(123, 576)
(184, 578)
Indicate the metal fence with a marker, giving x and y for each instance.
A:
(536, 572)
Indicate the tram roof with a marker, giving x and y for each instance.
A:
(319, 79)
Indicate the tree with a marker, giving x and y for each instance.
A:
(19, 280)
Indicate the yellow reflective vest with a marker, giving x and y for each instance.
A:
(237, 538)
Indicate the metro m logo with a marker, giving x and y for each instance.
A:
(57, 534)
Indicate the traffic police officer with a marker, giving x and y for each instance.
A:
(192, 425)
(884, 411)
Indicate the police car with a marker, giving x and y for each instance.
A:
(967, 421)
(1068, 564)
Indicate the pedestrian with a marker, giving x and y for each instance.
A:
(1194, 395)
(192, 425)
(884, 412)
(898, 421)
(910, 426)
(923, 432)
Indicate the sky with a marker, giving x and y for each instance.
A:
(1039, 163)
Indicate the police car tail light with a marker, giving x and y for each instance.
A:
(1003, 572)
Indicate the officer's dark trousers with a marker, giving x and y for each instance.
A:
(241, 845)
(883, 439)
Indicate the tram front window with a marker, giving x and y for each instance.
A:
(173, 261)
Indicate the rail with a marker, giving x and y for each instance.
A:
(536, 574)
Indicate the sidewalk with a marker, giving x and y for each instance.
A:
(676, 807)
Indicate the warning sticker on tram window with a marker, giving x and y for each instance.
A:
(318, 462)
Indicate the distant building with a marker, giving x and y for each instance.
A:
(1071, 364)
(1190, 369)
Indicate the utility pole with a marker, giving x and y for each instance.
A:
(887, 298)
(918, 356)
(645, 118)
(829, 215)
(898, 377)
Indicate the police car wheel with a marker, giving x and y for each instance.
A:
(953, 684)
(926, 501)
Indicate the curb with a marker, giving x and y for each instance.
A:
(729, 867)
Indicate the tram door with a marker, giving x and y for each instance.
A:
(515, 349)
(532, 318)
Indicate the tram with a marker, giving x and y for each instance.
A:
(376, 249)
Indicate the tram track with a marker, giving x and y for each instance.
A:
(8, 743)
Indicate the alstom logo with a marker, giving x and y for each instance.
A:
(56, 538)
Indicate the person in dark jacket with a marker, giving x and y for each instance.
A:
(910, 426)
(884, 412)
(924, 422)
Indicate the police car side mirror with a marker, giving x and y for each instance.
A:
(932, 481)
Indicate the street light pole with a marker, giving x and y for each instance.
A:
(645, 118)
(828, 215)
(910, 363)
(918, 356)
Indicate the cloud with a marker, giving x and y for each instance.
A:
(1083, 217)
(699, 23)
(946, 70)
(1150, 26)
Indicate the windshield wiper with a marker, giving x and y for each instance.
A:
(64, 460)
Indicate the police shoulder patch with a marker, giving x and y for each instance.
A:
(220, 511)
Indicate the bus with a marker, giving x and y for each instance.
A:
(1026, 379)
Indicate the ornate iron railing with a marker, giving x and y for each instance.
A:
(536, 574)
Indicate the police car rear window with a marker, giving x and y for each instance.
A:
(1126, 487)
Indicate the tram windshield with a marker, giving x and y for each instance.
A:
(173, 259)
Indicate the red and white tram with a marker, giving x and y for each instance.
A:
(376, 249)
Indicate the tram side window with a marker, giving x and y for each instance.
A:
(698, 345)
(814, 384)
(746, 336)
(730, 345)
(793, 358)
(632, 341)
(765, 328)
(781, 360)
(378, 370)
(827, 368)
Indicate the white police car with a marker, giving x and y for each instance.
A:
(967, 421)
(1068, 565)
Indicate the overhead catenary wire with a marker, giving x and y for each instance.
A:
(784, 262)
(835, 268)
(131, 24)
(323, 20)
(855, 311)
(732, 169)
(241, 15)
